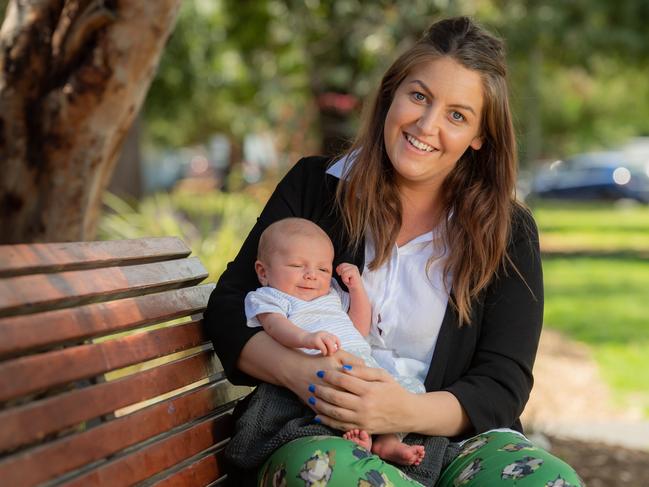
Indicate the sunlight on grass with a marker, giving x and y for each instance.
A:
(570, 227)
(624, 367)
(604, 304)
(598, 300)
(602, 301)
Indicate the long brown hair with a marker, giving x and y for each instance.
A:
(478, 194)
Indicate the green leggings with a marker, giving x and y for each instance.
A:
(490, 459)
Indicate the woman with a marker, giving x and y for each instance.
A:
(424, 203)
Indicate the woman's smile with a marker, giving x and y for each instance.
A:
(418, 144)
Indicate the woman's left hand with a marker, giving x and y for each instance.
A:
(361, 398)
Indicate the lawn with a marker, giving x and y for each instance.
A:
(597, 287)
(575, 227)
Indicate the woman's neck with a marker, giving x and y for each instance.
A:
(420, 212)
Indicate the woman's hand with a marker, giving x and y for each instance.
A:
(360, 397)
(304, 375)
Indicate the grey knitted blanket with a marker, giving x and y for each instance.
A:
(276, 416)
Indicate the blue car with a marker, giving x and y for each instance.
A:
(607, 175)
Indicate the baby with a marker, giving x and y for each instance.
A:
(301, 306)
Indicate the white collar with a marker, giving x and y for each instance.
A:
(342, 165)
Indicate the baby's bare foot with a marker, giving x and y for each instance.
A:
(395, 451)
(360, 437)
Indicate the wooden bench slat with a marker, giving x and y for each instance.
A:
(45, 370)
(27, 332)
(203, 471)
(32, 422)
(89, 394)
(50, 257)
(159, 456)
(41, 292)
(68, 453)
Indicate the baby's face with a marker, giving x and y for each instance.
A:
(300, 268)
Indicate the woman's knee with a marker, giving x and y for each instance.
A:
(497, 457)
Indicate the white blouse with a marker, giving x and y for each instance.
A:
(408, 302)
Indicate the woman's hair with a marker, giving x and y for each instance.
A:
(477, 195)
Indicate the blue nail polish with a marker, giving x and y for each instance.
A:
(317, 420)
(347, 367)
(311, 388)
(312, 401)
(320, 373)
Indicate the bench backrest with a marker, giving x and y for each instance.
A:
(106, 376)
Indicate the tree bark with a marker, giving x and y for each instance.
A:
(73, 76)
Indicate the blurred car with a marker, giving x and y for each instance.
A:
(610, 175)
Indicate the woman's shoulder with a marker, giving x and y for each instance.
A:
(523, 224)
(308, 184)
(311, 165)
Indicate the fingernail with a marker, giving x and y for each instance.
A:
(320, 373)
(311, 388)
(347, 367)
(317, 420)
(312, 401)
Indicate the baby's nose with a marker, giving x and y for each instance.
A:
(309, 273)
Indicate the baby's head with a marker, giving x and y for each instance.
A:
(295, 256)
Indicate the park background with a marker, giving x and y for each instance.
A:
(243, 89)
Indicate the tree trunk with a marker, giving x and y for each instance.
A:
(73, 75)
(126, 180)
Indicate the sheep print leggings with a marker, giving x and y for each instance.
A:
(495, 458)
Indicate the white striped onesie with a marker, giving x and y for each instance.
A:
(326, 313)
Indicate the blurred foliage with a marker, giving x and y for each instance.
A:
(239, 67)
(596, 273)
(578, 68)
(213, 224)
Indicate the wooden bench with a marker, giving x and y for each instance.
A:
(106, 376)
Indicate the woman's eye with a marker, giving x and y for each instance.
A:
(418, 96)
(457, 117)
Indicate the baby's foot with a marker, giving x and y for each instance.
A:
(360, 437)
(398, 452)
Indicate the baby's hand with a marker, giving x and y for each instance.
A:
(326, 342)
(350, 275)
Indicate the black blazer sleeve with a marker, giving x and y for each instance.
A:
(496, 385)
(300, 193)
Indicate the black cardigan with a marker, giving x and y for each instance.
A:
(487, 365)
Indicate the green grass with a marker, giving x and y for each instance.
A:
(602, 301)
(593, 227)
(598, 300)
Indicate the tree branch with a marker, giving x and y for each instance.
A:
(79, 23)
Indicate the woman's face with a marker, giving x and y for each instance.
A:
(434, 117)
